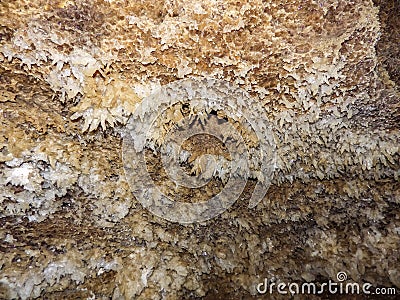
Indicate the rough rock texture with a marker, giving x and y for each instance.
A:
(71, 74)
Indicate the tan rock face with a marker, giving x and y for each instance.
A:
(72, 73)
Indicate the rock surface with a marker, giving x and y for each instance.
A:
(72, 73)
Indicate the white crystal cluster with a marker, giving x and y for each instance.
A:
(44, 185)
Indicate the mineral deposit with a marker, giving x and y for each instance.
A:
(326, 75)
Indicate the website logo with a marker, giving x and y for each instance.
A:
(168, 118)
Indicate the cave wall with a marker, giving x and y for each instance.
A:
(73, 72)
